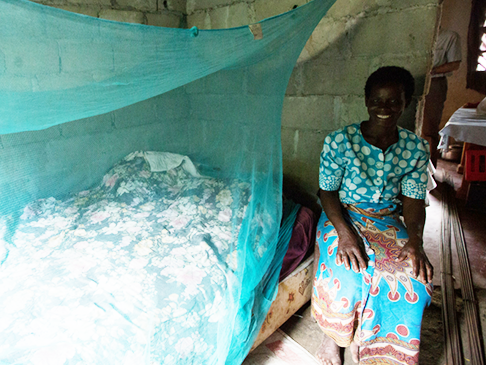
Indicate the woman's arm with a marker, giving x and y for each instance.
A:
(414, 215)
(350, 246)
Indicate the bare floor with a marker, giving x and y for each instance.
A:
(303, 329)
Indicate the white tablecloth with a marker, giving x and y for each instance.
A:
(464, 125)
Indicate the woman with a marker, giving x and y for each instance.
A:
(373, 279)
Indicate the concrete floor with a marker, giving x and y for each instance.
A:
(303, 329)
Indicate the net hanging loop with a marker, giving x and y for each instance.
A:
(194, 31)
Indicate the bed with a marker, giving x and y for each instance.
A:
(127, 272)
(138, 268)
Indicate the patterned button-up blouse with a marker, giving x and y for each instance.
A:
(364, 173)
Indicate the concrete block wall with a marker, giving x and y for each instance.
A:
(80, 152)
(164, 13)
(326, 89)
(73, 156)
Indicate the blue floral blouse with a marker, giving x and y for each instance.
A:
(364, 173)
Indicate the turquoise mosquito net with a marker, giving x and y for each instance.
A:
(140, 185)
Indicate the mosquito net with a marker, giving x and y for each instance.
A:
(140, 185)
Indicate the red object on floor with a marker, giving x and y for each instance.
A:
(475, 165)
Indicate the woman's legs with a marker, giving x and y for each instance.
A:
(336, 299)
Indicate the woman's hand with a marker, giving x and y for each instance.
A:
(422, 268)
(414, 215)
(351, 251)
(350, 246)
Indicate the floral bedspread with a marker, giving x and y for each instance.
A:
(134, 271)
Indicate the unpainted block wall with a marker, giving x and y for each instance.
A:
(94, 144)
(326, 90)
(165, 13)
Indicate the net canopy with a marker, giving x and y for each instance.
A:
(140, 185)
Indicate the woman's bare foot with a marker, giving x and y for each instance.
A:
(328, 353)
(354, 351)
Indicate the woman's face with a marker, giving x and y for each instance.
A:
(386, 104)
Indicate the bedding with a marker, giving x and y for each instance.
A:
(138, 270)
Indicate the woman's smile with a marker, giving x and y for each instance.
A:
(386, 103)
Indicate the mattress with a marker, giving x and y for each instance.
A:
(293, 292)
(137, 270)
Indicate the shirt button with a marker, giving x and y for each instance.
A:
(379, 164)
(378, 181)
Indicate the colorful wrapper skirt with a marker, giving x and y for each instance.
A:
(380, 308)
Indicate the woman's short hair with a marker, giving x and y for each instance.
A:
(391, 75)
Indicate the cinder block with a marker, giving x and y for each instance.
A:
(30, 58)
(16, 83)
(310, 146)
(175, 5)
(99, 124)
(22, 160)
(196, 87)
(194, 5)
(212, 107)
(403, 4)
(85, 10)
(238, 15)
(347, 110)
(129, 54)
(199, 19)
(290, 141)
(225, 82)
(219, 17)
(328, 41)
(122, 16)
(141, 113)
(305, 172)
(266, 9)
(76, 57)
(24, 138)
(348, 8)
(164, 19)
(138, 5)
(307, 112)
(65, 80)
(323, 76)
(294, 87)
(75, 2)
(407, 120)
(171, 106)
(406, 31)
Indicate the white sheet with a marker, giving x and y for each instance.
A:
(465, 125)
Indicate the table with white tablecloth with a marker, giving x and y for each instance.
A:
(465, 125)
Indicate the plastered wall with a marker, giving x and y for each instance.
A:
(326, 90)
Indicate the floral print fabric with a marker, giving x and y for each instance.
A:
(364, 173)
(138, 270)
(380, 308)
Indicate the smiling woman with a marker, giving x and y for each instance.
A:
(370, 174)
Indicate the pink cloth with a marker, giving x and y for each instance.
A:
(301, 242)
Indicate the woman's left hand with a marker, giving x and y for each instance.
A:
(421, 265)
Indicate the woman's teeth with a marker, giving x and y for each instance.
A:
(383, 116)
